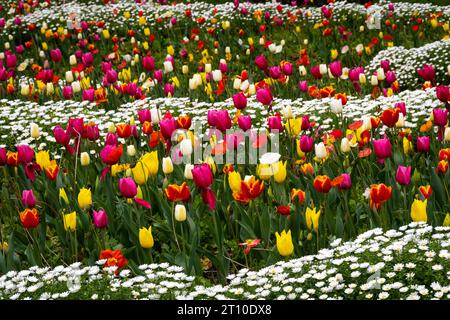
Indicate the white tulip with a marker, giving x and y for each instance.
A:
(374, 80)
(336, 106)
(345, 145)
(217, 75)
(188, 171)
(34, 131)
(131, 150)
(186, 147)
(321, 150)
(323, 69)
(168, 67)
(180, 212)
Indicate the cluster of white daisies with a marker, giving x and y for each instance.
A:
(409, 263)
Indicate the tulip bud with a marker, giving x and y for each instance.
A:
(72, 60)
(447, 134)
(345, 145)
(302, 70)
(323, 69)
(168, 67)
(237, 83)
(186, 147)
(167, 165)
(208, 67)
(69, 76)
(374, 80)
(380, 74)
(131, 150)
(321, 151)
(180, 213)
(188, 171)
(362, 78)
(34, 131)
(185, 69)
(85, 159)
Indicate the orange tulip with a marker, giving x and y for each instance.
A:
(52, 170)
(123, 130)
(29, 218)
(176, 192)
(379, 194)
(322, 184)
(250, 189)
(442, 167)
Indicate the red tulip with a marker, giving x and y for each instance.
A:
(390, 117)
(427, 72)
(274, 123)
(423, 144)
(111, 154)
(379, 194)
(443, 93)
(29, 218)
(322, 184)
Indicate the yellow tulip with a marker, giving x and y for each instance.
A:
(140, 173)
(139, 193)
(419, 210)
(167, 165)
(334, 54)
(146, 237)
(312, 219)
(63, 195)
(43, 159)
(5, 246)
(285, 246)
(150, 160)
(106, 34)
(84, 198)
(407, 145)
(170, 50)
(294, 126)
(447, 221)
(70, 221)
(264, 171)
(126, 75)
(147, 32)
(300, 153)
(279, 171)
(234, 180)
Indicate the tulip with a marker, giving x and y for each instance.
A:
(320, 150)
(264, 96)
(188, 171)
(312, 219)
(84, 198)
(275, 72)
(100, 218)
(127, 187)
(111, 154)
(336, 69)
(379, 194)
(56, 55)
(440, 117)
(419, 210)
(234, 180)
(168, 126)
(427, 72)
(245, 122)
(3, 156)
(140, 173)
(322, 184)
(280, 172)
(285, 246)
(403, 175)
(219, 119)
(382, 148)
(442, 167)
(85, 159)
(180, 213)
(167, 165)
(28, 199)
(336, 106)
(306, 143)
(443, 93)
(423, 144)
(34, 131)
(29, 218)
(315, 71)
(150, 160)
(447, 134)
(70, 221)
(240, 101)
(202, 176)
(146, 238)
(385, 64)
(345, 145)
(148, 63)
(274, 123)
(25, 154)
(261, 62)
(345, 181)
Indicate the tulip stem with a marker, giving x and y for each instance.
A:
(173, 226)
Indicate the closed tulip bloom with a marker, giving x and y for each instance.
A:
(280, 172)
(322, 184)
(70, 221)
(180, 213)
(419, 210)
(186, 147)
(440, 117)
(240, 101)
(167, 165)
(245, 122)
(25, 154)
(312, 219)
(100, 219)
(202, 176)
(234, 180)
(427, 72)
(443, 93)
(379, 194)
(28, 199)
(285, 246)
(34, 131)
(3, 157)
(403, 175)
(127, 188)
(275, 123)
(188, 171)
(320, 150)
(146, 237)
(63, 195)
(306, 143)
(29, 218)
(84, 198)
(85, 159)
(336, 69)
(294, 126)
(382, 148)
(264, 96)
(261, 62)
(423, 144)
(345, 145)
(336, 106)
(447, 134)
(140, 173)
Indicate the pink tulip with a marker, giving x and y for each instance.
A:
(28, 199)
(346, 182)
(275, 72)
(274, 123)
(326, 12)
(303, 86)
(169, 89)
(427, 72)
(100, 218)
(354, 73)
(88, 95)
(385, 65)
(111, 76)
(75, 126)
(168, 126)
(443, 93)
(264, 96)
(148, 63)
(306, 143)
(315, 71)
(2, 23)
(240, 101)
(401, 106)
(423, 144)
(88, 59)
(25, 154)
(20, 49)
(336, 69)
(223, 67)
(11, 61)
(3, 74)
(56, 55)
(382, 148)
(127, 188)
(67, 92)
(261, 62)
(144, 115)
(245, 122)
(287, 68)
(440, 117)
(3, 156)
(158, 75)
(111, 139)
(209, 198)
(390, 77)
(62, 136)
(106, 66)
(202, 176)
(403, 175)
(306, 125)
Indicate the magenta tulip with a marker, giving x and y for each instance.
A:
(240, 101)
(306, 143)
(336, 69)
(28, 199)
(382, 148)
(440, 117)
(403, 175)
(423, 144)
(202, 176)
(100, 218)
(264, 96)
(303, 86)
(3, 153)
(168, 126)
(56, 55)
(443, 93)
(274, 123)
(261, 62)
(25, 154)
(62, 136)
(148, 63)
(144, 115)
(427, 72)
(127, 188)
(275, 72)
(245, 122)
